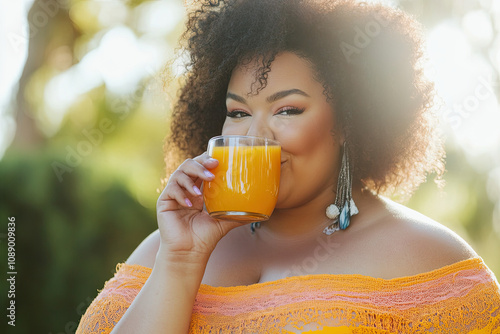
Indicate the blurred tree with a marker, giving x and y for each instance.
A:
(76, 222)
(45, 37)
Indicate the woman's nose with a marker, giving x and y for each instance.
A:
(260, 128)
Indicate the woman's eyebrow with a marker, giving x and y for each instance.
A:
(272, 98)
(235, 97)
(284, 93)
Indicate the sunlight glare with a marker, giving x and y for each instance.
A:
(112, 13)
(477, 26)
(466, 84)
(13, 54)
(159, 17)
(120, 61)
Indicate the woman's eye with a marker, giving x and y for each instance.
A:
(290, 111)
(237, 114)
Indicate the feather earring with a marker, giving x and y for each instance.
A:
(344, 206)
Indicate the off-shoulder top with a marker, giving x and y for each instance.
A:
(460, 298)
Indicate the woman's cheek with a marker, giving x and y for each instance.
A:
(234, 128)
(300, 136)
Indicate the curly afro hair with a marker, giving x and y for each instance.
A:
(367, 56)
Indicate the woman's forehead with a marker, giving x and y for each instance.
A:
(287, 69)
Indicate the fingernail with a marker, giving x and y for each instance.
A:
(208, 174)
(212, 160)
(188, 202)
(196, 190)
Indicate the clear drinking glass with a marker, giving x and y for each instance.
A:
(247, 178)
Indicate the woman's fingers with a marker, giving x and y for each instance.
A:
(173, 197)
(186, 181)
(198, 167)
(206, 161)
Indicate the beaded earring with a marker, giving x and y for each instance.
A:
(344, 206)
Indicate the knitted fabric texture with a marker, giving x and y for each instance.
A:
(460, 298)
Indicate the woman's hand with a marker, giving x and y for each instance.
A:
(187, 232)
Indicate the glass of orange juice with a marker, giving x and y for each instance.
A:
(246, 183)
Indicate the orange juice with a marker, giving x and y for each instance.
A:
(246, 182)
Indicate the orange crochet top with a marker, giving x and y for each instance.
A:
(460, 298)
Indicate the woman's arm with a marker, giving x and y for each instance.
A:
(121, 291)
(166, 300)
(187, 237)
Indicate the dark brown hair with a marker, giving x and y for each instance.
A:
(367, 56)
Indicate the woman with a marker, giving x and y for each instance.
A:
(338, 84)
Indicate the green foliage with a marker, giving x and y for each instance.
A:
(69, 237)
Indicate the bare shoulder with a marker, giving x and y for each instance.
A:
(145, 253)
(421, 244)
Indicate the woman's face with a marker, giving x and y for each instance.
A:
(293, 110)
